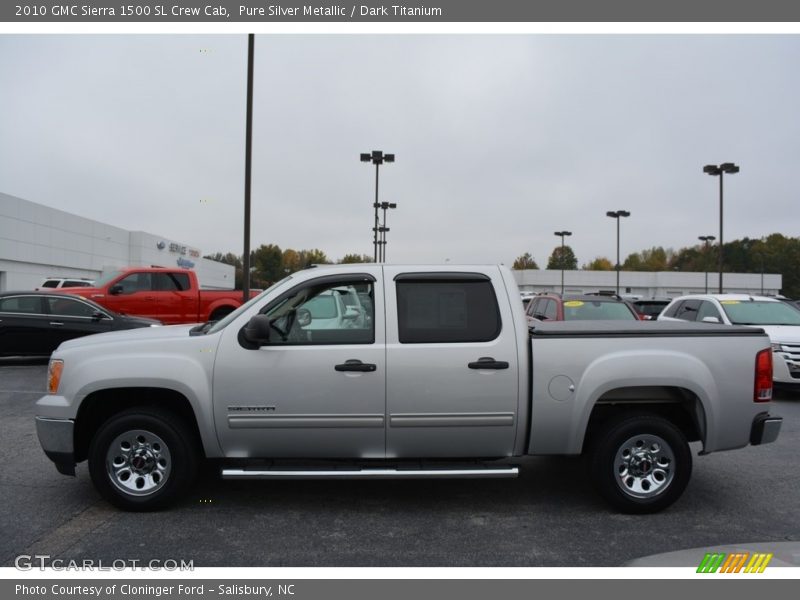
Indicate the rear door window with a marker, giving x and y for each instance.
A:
(688, 310)
(447, 311)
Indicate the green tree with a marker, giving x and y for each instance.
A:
(313, 257)
(601, 263)
(267, 261)
(565, 260)
(355, 258)
(524, 262)
(653, 259)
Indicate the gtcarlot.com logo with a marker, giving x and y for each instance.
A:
(737, 562)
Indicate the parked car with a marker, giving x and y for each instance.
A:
(35, 323)
(446, 379)
(169, 295)
(778, 319)
(63, 282)
(650, 308)
(586, 307)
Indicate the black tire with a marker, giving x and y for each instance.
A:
(220, 313)
(640, 464)
(158, 466)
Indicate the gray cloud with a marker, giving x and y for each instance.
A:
(500, 140)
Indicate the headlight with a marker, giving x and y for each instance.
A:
(54, 370)
(777, 347)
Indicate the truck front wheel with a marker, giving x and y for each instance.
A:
(641, 464)
(142, 459)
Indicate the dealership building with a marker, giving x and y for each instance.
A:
(37, 242)
(646, 284)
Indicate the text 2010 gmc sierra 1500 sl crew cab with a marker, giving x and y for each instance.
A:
(169, 295)
(444, 379)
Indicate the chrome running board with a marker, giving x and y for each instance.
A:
(368, 473)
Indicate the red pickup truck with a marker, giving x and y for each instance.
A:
(169, 295)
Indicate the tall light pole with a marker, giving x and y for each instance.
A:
(618, 214)
(719, 170)
(248, 162)
(377, 158)
(383, 229)
(706, 239)
(562, 235)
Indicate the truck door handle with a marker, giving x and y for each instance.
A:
(487, 362)
(356, 365)
(57, 323)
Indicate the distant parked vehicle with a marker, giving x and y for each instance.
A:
(586, 307)
(63, 282)
(169, 295)
(650, 308)
(778, 319)
(35, 323)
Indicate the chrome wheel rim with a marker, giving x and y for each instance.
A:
(138, 462)
(644, 466)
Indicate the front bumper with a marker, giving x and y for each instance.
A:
(765, 429)
(56, 438)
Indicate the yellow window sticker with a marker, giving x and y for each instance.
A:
(730, 302)
(573, 303)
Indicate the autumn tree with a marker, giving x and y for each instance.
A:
(355, 258)
(524, 262)
(601, 263)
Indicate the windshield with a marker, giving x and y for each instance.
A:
(755, 312)
(222, 323)
(581, 310)
(107, 278)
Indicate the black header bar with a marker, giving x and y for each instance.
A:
(398, 11)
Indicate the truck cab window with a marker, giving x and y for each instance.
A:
(432, 311)
(330, 313)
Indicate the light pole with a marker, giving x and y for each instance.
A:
(383, 229)
(377, 158)
(706, 239)
(562, 235)
(617, 214)
(248, 163)
(715, 170)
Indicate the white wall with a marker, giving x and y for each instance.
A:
(670, 284)
(37, 241)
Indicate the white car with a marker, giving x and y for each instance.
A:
(64, 282)
(779, 320)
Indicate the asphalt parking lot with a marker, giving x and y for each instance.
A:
(548, 517)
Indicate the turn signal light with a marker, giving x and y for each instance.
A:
(763, 389)
(54, 370)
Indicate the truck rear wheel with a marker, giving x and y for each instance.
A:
(641, 464)
(142, 459)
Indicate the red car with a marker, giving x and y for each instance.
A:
(169, 295)
(587, 307)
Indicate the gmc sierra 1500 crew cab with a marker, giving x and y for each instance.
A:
(444, 380)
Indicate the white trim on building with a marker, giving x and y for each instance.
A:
(37, 241)
(658, 284)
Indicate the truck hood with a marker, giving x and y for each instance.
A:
(788, 334)
(144, 334)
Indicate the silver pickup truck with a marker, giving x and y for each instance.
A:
(426, 372)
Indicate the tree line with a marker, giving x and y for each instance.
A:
(774, 253)
(268, 263)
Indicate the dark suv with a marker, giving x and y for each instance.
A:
(586, 307)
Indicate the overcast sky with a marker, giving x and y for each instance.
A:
(500, 139)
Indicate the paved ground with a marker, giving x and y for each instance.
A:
(547, 517)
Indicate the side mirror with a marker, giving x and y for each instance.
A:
(98, 316)
(256, 333)
(711, 320)
(115, 290)
(303, 316)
